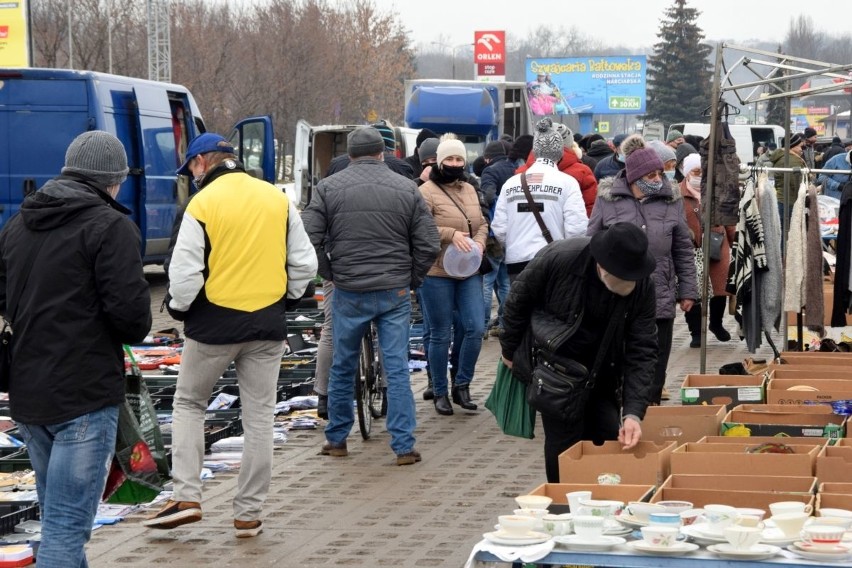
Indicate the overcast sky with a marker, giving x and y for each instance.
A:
(635, 22)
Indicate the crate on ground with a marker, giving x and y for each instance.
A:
(215, 430)
(17, 461)
(13, 513)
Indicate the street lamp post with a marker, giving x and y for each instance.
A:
(453, 50)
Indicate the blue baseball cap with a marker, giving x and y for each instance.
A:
(203, 144)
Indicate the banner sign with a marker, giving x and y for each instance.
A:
(593, 85)
(14, 40)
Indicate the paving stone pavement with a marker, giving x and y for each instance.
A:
(364, 510)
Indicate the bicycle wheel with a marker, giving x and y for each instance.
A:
(377, 396)
(362, 389)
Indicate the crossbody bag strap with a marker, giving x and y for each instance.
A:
(545, 232)
(28, 268)
(614, 321)
(466, 218)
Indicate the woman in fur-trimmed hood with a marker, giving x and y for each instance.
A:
(641, 194)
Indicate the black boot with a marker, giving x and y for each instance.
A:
(717, 311)
(428, 394)
(443, 406)
(461, 396)
(322, 406)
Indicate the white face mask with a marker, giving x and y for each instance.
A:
(616, 285)
(694, 182)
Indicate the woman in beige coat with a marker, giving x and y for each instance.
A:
(454, 204)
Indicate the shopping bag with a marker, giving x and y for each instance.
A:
(139, 467)
(508, 403)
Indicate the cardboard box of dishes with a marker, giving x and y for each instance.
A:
(558, 492)
(756, 491)
(806, 420)
(746, 456)
(645, 464)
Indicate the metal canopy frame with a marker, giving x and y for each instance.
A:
(773, 73)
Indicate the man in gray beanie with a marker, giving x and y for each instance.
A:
(74, 291)
(547, 143)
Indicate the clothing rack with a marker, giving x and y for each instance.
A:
(798, 170)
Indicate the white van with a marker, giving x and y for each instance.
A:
(747, 136)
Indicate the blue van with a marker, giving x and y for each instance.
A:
(43, 110)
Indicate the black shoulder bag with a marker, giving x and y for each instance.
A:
(6, 335)
(560, 386)
(485, 266)
(545, 232)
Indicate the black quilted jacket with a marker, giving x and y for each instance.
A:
(554, 282)
(371, 229)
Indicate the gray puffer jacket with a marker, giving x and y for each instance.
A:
(371, 229)
(662, 218)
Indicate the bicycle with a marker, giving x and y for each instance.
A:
(370, 389)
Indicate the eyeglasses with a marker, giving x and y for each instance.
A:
(653, 175)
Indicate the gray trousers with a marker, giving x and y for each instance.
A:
(325, 348)
(202, 364)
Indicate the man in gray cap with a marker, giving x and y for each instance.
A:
(72, 287)
(375, 240)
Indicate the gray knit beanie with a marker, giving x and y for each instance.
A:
(548, 142)
(429, 149)
(99, 156)
(665, 153)
(364, 141)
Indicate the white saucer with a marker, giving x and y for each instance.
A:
(619, 530)
(576, 542)
(820, 556)
(776, 537)
(831, 551)
(500, 537)
(705, 530)
(756, 552)
(631, 521)
(699, 537)
(678, 549)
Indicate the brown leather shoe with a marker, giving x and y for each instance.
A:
(408, 458)
(174, 514)
(247, 529)
(337, 451)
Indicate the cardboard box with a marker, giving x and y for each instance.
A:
(835, 496)
(784, 419)
(682, 424)
(821, 358)
(804, 372)
(728, 390)
(828, 301)
(834, 464)
(736, 490)
(799, 391)
(733, 459)
(752, 441)
(646, 464)
(623, 493)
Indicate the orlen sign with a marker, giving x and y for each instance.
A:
(489, 53)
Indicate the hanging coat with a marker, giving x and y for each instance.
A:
(726, 177)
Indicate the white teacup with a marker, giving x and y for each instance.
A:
(836, 513)
(790, 523)
(574, 498)
(742, 538)
(719, 516)
(600, 508)
(822, 536)
(516, 525)
(533, 501)
(664, 519)
(664, 537)
(557, 525)
(537, 514)
(588, 526)
(782, 507)
(675, 506)
(641, 510)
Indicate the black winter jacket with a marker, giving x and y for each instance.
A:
(371, 229)
(86, 295)
(608, 167)
(555, 282)
(493, 177)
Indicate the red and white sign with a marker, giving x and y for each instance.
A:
(489, 54)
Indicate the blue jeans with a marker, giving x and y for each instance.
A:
(70, 462)
(352, 313)
(495, 281)
(442, 296)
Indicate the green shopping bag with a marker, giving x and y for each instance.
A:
(508, 403)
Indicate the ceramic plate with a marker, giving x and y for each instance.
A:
(820, 556)
(834, 550)
(575, 542)
(756, 552)
(500, 537)
(704, 530)
(678, 549)
(631, 521)
(699, 537)
(777, 538)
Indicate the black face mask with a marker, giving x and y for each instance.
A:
(447, 174)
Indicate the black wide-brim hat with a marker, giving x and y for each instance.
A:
(622, 250)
